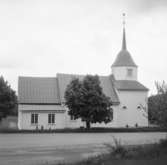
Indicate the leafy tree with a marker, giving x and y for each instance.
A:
(8, 99)
(86, 100)
(157, 105)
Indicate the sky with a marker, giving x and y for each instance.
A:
(46, 37)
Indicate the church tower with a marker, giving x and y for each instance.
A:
(124, 68)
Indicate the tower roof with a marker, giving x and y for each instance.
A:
(124, 58)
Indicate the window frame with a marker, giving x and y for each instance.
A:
(72, 118)
(129, 72)
(51, 118)
(34, 118)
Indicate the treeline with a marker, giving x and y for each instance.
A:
(157, 105)
(8, 99)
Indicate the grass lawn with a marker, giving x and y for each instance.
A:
(152, 154)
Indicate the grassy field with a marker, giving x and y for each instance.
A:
(151, 154)
(39, 148)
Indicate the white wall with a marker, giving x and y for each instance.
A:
(121, 117)
(132, 115)
(120, 73)
(19, 124)
(25, 120)
(62, 120)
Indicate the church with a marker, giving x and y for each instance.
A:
(42, 103)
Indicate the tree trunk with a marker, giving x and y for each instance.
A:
(88, 125)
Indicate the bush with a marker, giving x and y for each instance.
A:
(117, 150)
(163, 143)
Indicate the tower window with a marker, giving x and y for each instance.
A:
(129, 72)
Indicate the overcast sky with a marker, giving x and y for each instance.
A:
(46, 37)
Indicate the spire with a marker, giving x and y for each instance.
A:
(124, 35)
(124, 58)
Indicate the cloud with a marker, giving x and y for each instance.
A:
(145, 6)
(41, 38)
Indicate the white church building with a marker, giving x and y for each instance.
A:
(42, 103)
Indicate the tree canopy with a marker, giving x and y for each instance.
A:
(157, 105)
(8, 99)
(86, 100)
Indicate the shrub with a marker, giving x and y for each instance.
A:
(117, 150)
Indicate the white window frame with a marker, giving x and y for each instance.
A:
(51, 118)
(34, 118)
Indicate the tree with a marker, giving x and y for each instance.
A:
(157, 105)
(8, 99)
(86, 100)
(161, 87)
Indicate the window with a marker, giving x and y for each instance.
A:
(34, 118)
(72, 117)
(51, 118)
(138, 107)
(124, 107)
(129, 72)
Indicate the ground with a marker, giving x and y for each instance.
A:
(28, 149)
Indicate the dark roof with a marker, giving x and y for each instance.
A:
(63, 81)
(106, 84)
(124, 58)
(129, 85)
(38, 90)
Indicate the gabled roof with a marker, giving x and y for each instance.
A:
(129, 85)
(124, 58)
(63, 81)
(106, 84)
(38, 90)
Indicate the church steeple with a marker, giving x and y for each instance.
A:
(124, 68)
(124, 40)
(124, 34)
(124, 58)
